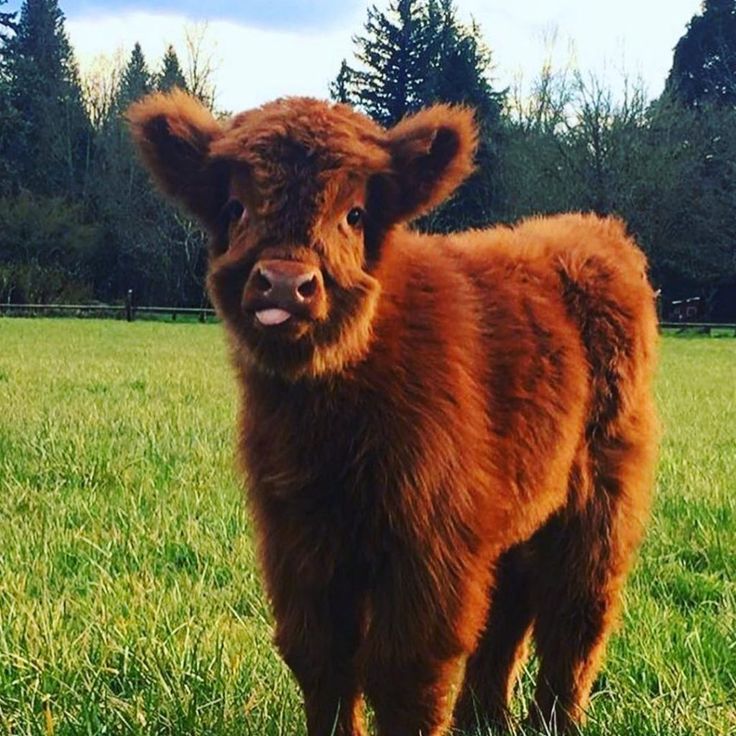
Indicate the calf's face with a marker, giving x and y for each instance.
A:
(298, 197)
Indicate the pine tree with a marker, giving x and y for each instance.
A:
(393, 58)
(340, 89)
(136, 81)
(171, 74)
(704, 64)
(8, 117)
(417, 54)
(7, 21)
(52, 136)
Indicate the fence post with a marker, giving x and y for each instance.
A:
(129, 305)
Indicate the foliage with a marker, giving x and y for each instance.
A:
(704, 64)
(49, 141)
(666, 169)
(44, 244)
(393, 54)
(418, 53)
(567, 143)
(171, 75)
(129, 595)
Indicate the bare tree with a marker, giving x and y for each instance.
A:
(200, 66)
(100, 83)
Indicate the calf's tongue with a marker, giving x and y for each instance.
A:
(272, 316)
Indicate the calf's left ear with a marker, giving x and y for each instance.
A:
(432, 154)
(174, 132)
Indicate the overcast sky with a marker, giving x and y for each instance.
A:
(264, 49)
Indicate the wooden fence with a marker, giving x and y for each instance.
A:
(129, 312)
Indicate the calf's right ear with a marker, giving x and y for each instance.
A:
(173, 132)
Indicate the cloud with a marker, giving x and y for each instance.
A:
(296, 46)
(252, 65)
(264, 14)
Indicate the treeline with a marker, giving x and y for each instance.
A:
(79, 219)
(667, 166)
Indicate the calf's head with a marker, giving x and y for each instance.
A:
(299, 197)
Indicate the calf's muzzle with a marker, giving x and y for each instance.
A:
(279, 289)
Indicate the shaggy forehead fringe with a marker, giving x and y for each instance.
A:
(333, 136)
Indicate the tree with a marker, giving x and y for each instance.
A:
(458, 73)
(416, 54)
(171, 74)
(685, 212)
(704, 64)
(45, 248)
(8, 118)
(340, 89)
(393, 58)
(7, 21)
(122, 198)
(100, 86)
(136, 81)
(200, 65)
(50, 146)
(149, 246)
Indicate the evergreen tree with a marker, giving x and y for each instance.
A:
(393, 57)
(704, 64)
(51, 139)
(136, 81)
(171, 74)
(7, 21)
(459, 64)
(416, 54)
(8, 118)
(340, 89)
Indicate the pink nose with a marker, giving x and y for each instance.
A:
(285, 284)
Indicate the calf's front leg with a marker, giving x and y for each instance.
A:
(317, 633)
(424, 622)
(414, 697)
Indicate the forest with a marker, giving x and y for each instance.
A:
(81, 223)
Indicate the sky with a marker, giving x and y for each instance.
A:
(263, 49)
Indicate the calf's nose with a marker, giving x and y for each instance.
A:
(285, 284)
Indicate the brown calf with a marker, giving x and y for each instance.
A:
(449, 440)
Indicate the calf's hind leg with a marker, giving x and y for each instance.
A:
(493, 668)
(584, 556)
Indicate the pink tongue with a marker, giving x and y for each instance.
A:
(272, 316)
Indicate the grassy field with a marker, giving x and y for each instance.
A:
(129, 599)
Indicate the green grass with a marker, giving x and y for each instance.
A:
(129, 598)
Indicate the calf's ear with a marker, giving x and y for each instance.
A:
(173, 132)
(432, 154)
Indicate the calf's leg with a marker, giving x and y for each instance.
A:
(493, 667)
(425, 617)
(414, 698)
(318, 634)
(583, 557)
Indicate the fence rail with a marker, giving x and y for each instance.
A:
(125, 311)
(130, 312)
(701, 326)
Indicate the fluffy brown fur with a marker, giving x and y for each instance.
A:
(451, 446)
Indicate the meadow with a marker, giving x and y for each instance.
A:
(129, 596)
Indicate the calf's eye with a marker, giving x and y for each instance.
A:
(355, 216)
(234, 211)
